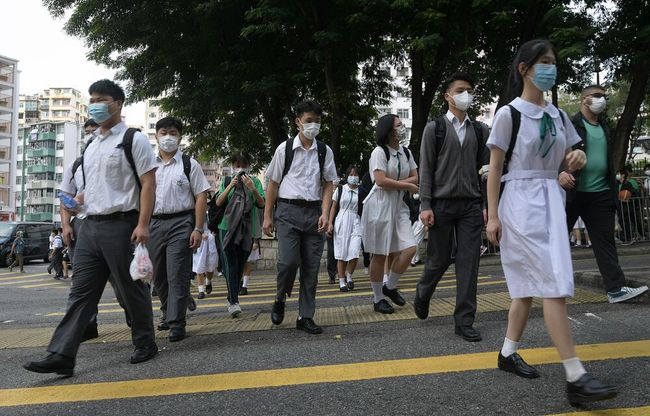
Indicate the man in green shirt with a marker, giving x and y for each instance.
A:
(592, 192)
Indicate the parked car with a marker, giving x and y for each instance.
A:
(35, 234)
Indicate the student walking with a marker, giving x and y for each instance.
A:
(17, 250)
(300, 181)
(534, 139)
(385, 222)
(204, 262)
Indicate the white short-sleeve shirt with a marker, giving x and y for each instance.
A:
(303, 179)
(72, 184)
(173, 192)
(110, 182)
(398, 167)
(526, 154)
(349, 198)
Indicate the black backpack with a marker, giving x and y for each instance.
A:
(215, 212)
(289, 152)
(364, 189)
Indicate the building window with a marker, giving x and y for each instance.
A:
(19, 164)
(403, 113)
(152, 126)
(19, 150)
(19, 179)
(403, 72)
(59, 145)
(152, 115)
(383, 110)
(59, 176)
(59, 161)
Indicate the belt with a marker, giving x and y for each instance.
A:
(300, 202)
(174, 215)
(529, 174)
(113, 216)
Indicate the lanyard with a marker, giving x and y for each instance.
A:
(546, 126)
(399, 165)
(350, 201)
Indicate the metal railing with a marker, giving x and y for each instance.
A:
(633, 219)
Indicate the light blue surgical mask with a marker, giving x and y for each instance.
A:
(353, 180)
(99, 112)
(545, 75)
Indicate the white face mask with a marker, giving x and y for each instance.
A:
(353, 180)
(598, 105)
(619, 176)
(402, 136)
(310, 130)
(237, 171)
(463, 100)
(168, 143)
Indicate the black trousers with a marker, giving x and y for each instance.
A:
(597, 210)
(463, 217)
(332, 270)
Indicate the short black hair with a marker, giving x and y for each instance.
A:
(349, 170)
(55, 230)
(308, 106)
(91, 122)
(167, 122)
(384, 129)
(240, 158)
(107, 87)
(459, 76)
(592, 87)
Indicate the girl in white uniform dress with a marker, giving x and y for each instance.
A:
(346, 228)
(529, 221)
(385, 218)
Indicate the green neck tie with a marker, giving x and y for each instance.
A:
(547, 125)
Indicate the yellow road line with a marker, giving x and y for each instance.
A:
(303, 375)
(23, 276)
(626, 411)
(41, 285)
(294, 298)
(20, 282)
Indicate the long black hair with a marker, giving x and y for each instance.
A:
(384, 129)
(528, 53)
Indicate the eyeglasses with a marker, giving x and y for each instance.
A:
(599, 95)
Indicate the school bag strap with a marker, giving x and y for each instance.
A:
(405, 149)
(187, 170)
(127, 146)
(515, 115)
(321, 148)
(79, 162)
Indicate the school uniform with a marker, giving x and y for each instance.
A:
(104, 247)
(385, 222)
(172, 224)
(535, 250)
(347, 224)
(299, 207)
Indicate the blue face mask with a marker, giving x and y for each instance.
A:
(545, 75)
(99, 112)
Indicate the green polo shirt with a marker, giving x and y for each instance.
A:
(255, 211)
(593, 177)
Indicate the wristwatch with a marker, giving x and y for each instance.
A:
(199, 230)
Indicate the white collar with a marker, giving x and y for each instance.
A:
(297, 143)
(533, 110)
(451, 117)
(176, 158)
(116, 129)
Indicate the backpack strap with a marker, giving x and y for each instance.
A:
(127, 146)
(441, 133)
(515, 115)
(187, 170)
(407, 152)
(289, 152)
(322, 153)
(80, 162)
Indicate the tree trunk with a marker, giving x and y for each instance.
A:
(639, 73)
(274, 119)
(336, 106)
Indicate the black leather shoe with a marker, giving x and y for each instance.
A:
(468, 333)
(53, 363)
(515, 364)
(383, 307)
(208, 288)
(90, 333)
(351, 285)
(201, 295)
(332, 280)
(420, 306)
(277, 314)
(588, 389)
(243, 291)
(344, 288)
(309, 326)
(191, 304)
(141, 355)
(176, 334)
(163, 326)
(393, 295)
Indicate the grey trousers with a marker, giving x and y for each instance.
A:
(299, 245)
(103, 248)
(169, 249)
(464, 216)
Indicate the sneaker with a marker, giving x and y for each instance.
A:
(626, 293)
(234, 309)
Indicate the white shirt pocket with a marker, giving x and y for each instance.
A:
(114, 169)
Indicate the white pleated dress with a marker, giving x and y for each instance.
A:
(535, 251)
(385, 222)
(347, 225)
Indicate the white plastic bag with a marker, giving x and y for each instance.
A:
(141, 266)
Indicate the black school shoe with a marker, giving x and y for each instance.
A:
(277, 314)
(141, 355)
(468, 333)
(309, 326)
(516, 365)
(208, 288)
(383, 307)
(53, 363)
(394, 295)
(588, 389)
(420, 306)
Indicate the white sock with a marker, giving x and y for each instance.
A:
(342, 282)
(201, 288)
(377, 290)
(509, 347)
(245, 283)
(578, 242)
(573, 369)
(348, 276)
(385, 278)
(393, 280)
(208, 281)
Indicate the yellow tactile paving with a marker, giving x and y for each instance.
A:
(336, 373)
(256, 320)
(626, 411)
